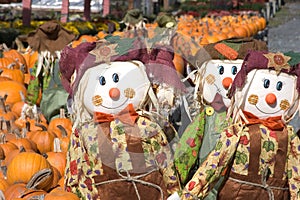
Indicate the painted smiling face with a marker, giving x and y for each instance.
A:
(218, 77)
(111, 87)
(268, 94)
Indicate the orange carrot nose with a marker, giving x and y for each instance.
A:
(114, 93)
(271, 98)
(226, 82)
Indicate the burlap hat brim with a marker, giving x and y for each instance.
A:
(50, 36)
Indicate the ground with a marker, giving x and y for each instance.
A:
(284, 28)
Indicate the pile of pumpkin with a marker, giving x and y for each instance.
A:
(208, 30)
(32, 150)
(213, 28)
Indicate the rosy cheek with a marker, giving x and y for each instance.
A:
(129, 93)
(284, 104)
(97, 100)
(253, 99)
(210, 79)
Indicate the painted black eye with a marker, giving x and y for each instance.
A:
(266, 83)
(115, 77)
(102, 80)
(221, 70)
(279, 85)
(234, 70)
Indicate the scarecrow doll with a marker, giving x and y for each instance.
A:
(116, 150)
(258, 152)
(212, 82)
(44, 86)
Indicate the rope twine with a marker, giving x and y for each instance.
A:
(134, 180)
(264, 184)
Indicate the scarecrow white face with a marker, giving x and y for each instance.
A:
(111, 87)
(268, 94)
(218, 77)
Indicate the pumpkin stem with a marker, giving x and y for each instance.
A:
(11, 66)
(2, 103)
(2, 138)
(44, 128)
(2, 197)
(17, 133)
(22, 96)
(63, 130)
(39, 178)
(27, 126)
(3, 170)
(56, 144)
(8, 125)
(24, 132)
(62, 113)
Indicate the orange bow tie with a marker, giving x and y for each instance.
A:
(128, 116)
(273, 123)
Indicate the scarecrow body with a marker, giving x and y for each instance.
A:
(258, 152)
(48, 40)
(201, 136)
(116, 153)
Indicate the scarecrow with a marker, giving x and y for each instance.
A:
(44, 88)
(117, 149)
(135, 25)
(212, 81)
(258, 151)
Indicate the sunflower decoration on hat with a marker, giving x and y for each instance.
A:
(257, 149)
(212, 80)
(114, 138)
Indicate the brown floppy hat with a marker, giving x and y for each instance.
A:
(50, 36)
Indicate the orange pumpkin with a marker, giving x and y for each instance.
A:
(14, 74)
(60, 194)
(43, 139)
(26, 164)
(12, 89)
(18, 57)
(3, 184)
(57, 158)
(6, 62)
(66, 123)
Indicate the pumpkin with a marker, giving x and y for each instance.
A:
(18, 106)
(12, 154)
(6, 146)
(21, 141)
(17, 56)
(179, 63)
(26, 164)
(2, 155)
(6, 62)
(56, 177)
(66, 123)
(42, 179)
(57, 158)
(60, 194)
(43, 139)
(3, 184)
(64, 139)
(12, 89)
(13, 74)
(21, 191)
